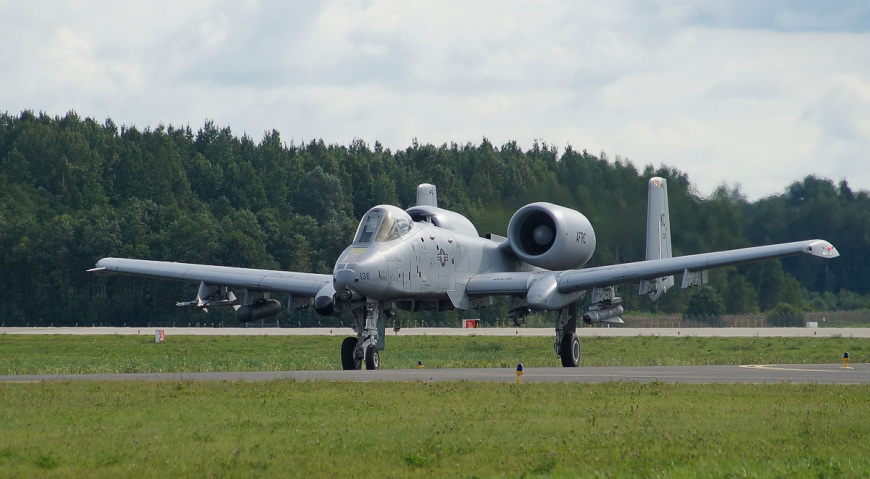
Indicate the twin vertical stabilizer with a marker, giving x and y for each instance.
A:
(658, 236)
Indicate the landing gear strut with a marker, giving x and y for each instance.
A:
(567, 345)
(369, 324)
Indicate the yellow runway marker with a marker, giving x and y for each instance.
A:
(846, 360)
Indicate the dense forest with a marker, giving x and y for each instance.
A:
(74, 190)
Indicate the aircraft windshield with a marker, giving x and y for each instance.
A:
(383, 224)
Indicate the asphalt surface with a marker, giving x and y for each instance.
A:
(760, 374)
(782, 373)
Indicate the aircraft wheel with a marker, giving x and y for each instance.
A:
(570, 351)
(373, 358)
(349, 361)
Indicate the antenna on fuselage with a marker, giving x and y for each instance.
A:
(426, 195)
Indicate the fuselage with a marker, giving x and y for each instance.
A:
(424, 263)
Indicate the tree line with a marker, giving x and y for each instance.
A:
(75, 190)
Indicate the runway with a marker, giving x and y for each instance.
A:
(804, 373)
(753, 374)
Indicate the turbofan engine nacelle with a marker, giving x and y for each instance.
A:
(551, 236)
(324, 301)
(258, 310)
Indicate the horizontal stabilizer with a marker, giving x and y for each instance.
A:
(693, 278)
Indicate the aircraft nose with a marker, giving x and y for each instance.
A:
(344, 280)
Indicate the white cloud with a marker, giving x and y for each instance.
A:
(760, 94)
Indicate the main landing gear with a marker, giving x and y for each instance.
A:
(348, 356)
(369, 323)
(567, 345)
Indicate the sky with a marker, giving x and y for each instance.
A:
(748, 93)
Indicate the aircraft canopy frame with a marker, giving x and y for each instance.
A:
(383, 223)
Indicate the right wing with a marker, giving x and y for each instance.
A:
(601, 276)
(304, 285)
(552, 290)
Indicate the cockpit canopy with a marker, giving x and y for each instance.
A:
(383, 223)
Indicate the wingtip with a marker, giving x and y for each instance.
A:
(99, 271)
(822, 249)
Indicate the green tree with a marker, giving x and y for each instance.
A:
(704, 303)
(785, 315)
(740, 296)
(73, 190)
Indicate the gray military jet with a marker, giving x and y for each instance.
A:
(429, 258)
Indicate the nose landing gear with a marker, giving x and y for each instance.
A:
(369, 325)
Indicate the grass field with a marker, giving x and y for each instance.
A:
(322, 429)
(127, 354)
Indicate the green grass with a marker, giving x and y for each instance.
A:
(21, 354)
(321, 429)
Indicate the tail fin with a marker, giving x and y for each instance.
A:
(658, 236)
(426, 195)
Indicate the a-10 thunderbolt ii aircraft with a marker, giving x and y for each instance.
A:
(426, 258)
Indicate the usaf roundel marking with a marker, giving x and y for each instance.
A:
(442, 256)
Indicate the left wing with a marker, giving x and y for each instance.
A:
(296, 284)
(551, 290)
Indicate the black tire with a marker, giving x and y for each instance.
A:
(373, 358)
(570, 352)
(349, 361)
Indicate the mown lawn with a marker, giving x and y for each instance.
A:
(21, 354)
(322, 429)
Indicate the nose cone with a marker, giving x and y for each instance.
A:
(344, 281)
(345, 276)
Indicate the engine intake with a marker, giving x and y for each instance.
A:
(551, 236)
